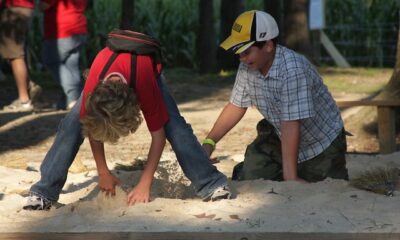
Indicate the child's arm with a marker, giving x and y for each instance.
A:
(290, 149)
(227, 119)
(107, 181)
(141, 192)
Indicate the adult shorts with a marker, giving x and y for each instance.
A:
(14, 26)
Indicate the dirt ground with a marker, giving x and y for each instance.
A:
(26, 137)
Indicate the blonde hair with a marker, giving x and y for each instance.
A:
(112, 111)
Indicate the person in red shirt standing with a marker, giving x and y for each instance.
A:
(15, 20)
(65, 33)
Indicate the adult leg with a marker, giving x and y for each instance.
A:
(61, 57)
(70, 78)
(16, 20)
(194, 162)
(54, 168)
(20, 73)
(69, 71)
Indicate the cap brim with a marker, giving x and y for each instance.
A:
(232, 41)
(236, 45)
(244, 47)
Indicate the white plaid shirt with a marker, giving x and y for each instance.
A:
(291, 90)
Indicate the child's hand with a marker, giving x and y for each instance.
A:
(139, 194)
(214, 160)
(208, 149)
(107, 183)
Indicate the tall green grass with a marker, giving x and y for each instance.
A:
(175, 24)
(360, 28)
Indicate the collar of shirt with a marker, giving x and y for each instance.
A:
(274, 70)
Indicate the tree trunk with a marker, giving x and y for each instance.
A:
(230, 10)
(297, 36)
(127, 13)
(206, 41)
(392, 89)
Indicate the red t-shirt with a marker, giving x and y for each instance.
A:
(20, 3)
(147, 90)
(64, 18)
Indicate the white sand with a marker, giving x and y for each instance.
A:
(328, 206)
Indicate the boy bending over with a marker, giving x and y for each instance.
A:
(110, 108)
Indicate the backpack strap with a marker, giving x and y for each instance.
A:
(108, 65)
(133, 68)
(133, 71)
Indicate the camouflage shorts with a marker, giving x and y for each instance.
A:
(263, 159)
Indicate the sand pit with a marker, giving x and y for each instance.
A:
(331, 206)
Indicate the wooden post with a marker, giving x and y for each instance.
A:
(386, 129)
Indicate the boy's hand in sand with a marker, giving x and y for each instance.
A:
(214, 160)
(139, 194)
(107, 183)
(209, 149)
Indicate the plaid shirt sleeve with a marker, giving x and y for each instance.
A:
(240, 96)
(296, 96)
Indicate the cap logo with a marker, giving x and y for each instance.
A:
(262, 35)
(237, 27)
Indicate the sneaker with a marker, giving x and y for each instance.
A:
(18, 106)
(34, 202)
(71, 105)
(219, 193)
(34, 91)
(61, 105)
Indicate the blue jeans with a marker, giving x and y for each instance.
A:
(194, 162)
(61, 57)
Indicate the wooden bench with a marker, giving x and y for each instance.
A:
(386, 120)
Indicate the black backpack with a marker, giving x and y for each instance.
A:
(135, 43)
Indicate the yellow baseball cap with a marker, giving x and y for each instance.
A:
(250, 27)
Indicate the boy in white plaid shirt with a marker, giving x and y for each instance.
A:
(302, 136)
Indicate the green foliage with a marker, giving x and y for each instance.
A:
(102, 17)
(254, 5)
(365, 31)
(175, 24)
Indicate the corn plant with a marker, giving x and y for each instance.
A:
(365, 31)
(175, 24)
